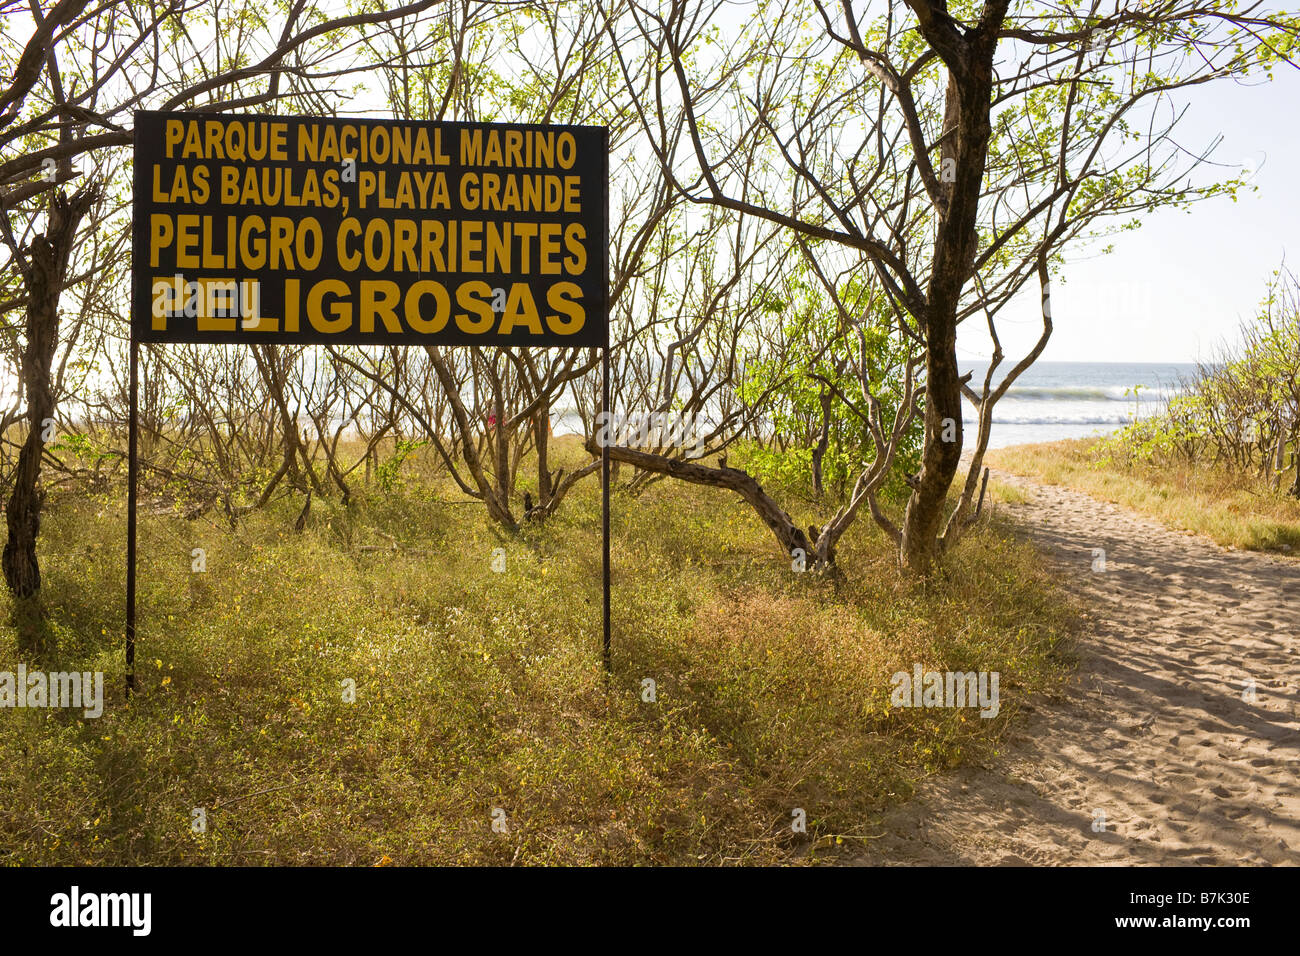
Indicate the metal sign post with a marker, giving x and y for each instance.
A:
(604, 508)
(604, 448)
(132, 478)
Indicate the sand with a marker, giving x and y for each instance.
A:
(1153, 754)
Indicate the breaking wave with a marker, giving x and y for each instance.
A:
(1054, 420)
(1087, 393)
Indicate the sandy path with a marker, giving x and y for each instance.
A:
(1153, 729)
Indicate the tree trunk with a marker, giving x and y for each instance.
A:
(541, 436)
(789, 535)
(824, 397)
(964, 153)
(49, 255)
(954, 247)
(924, 518)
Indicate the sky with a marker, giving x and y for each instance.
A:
(1177, 288)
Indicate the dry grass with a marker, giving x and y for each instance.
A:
(1235, 510)
(479, 690)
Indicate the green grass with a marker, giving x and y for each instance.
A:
(1235, 510)
(479, 690)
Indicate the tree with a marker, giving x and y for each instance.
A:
(44, 265)
(958, 149)
(536, 63)
(77, 76)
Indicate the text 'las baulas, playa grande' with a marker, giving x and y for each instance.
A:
(260, 229)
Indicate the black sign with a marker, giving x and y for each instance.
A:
(263, 229)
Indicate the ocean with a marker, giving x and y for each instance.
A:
(1056, 400)
(1051, 401)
